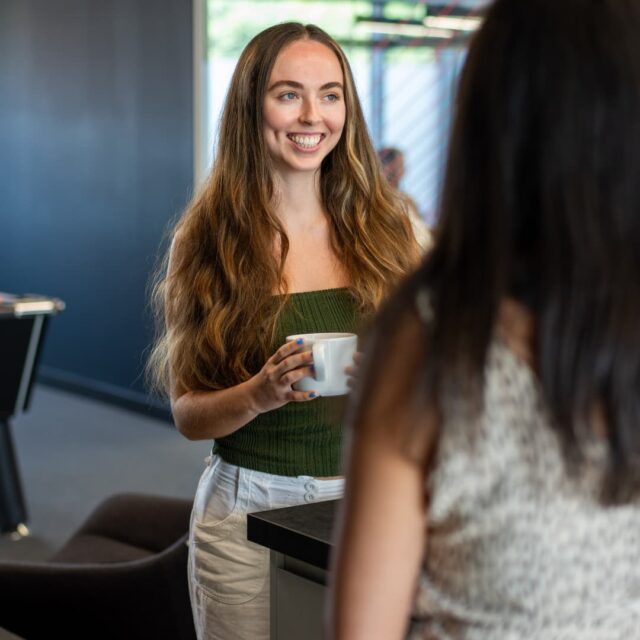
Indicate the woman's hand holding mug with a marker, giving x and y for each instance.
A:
(271, 387)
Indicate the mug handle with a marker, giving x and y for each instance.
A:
(319, 362)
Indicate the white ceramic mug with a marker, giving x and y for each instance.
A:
(332, 354)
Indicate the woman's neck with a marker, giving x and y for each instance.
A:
(311, 262)
(298, 204)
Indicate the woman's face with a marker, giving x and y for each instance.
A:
(304, 108)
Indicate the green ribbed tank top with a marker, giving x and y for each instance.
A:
(299, 438)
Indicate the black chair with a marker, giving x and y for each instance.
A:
(122, 575)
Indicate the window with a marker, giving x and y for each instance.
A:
(405, 83)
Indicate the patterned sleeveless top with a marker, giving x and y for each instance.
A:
(516, 547)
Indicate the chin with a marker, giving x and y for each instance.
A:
(301, 166)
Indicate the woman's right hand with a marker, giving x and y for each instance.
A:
(272, 385)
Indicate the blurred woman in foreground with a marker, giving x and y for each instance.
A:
(494, 469)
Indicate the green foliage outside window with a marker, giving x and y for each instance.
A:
(232, 23)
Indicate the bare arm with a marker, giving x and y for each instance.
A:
(381, 531)
(203, 415)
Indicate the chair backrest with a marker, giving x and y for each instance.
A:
(101, 595)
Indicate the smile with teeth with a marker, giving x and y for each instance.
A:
(306, 141)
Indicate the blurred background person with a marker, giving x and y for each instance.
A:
(494, 469)
(392, 163)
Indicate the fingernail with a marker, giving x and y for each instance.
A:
(299, 341)
(312, 395)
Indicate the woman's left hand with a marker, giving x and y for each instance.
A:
(353, 370)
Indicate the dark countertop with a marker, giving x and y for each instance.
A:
(302, 532)
(12, 305)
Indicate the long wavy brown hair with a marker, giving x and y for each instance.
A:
(215, 307)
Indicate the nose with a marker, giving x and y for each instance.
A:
(309, 113)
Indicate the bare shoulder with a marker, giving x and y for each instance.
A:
(180, 243)
(182, 247)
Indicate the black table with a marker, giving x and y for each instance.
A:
(302, 532)
(23, 324)
(299, 540)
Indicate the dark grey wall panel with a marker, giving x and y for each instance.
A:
(96, 131)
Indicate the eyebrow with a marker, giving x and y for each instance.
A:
(297, 85)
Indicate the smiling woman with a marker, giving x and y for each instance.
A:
(304, 111)
(294, 232)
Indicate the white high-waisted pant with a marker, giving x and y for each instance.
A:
(228, 575)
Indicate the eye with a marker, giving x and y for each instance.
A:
(332, 97)
(288, 96)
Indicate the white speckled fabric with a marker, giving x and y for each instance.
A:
(517, 548)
